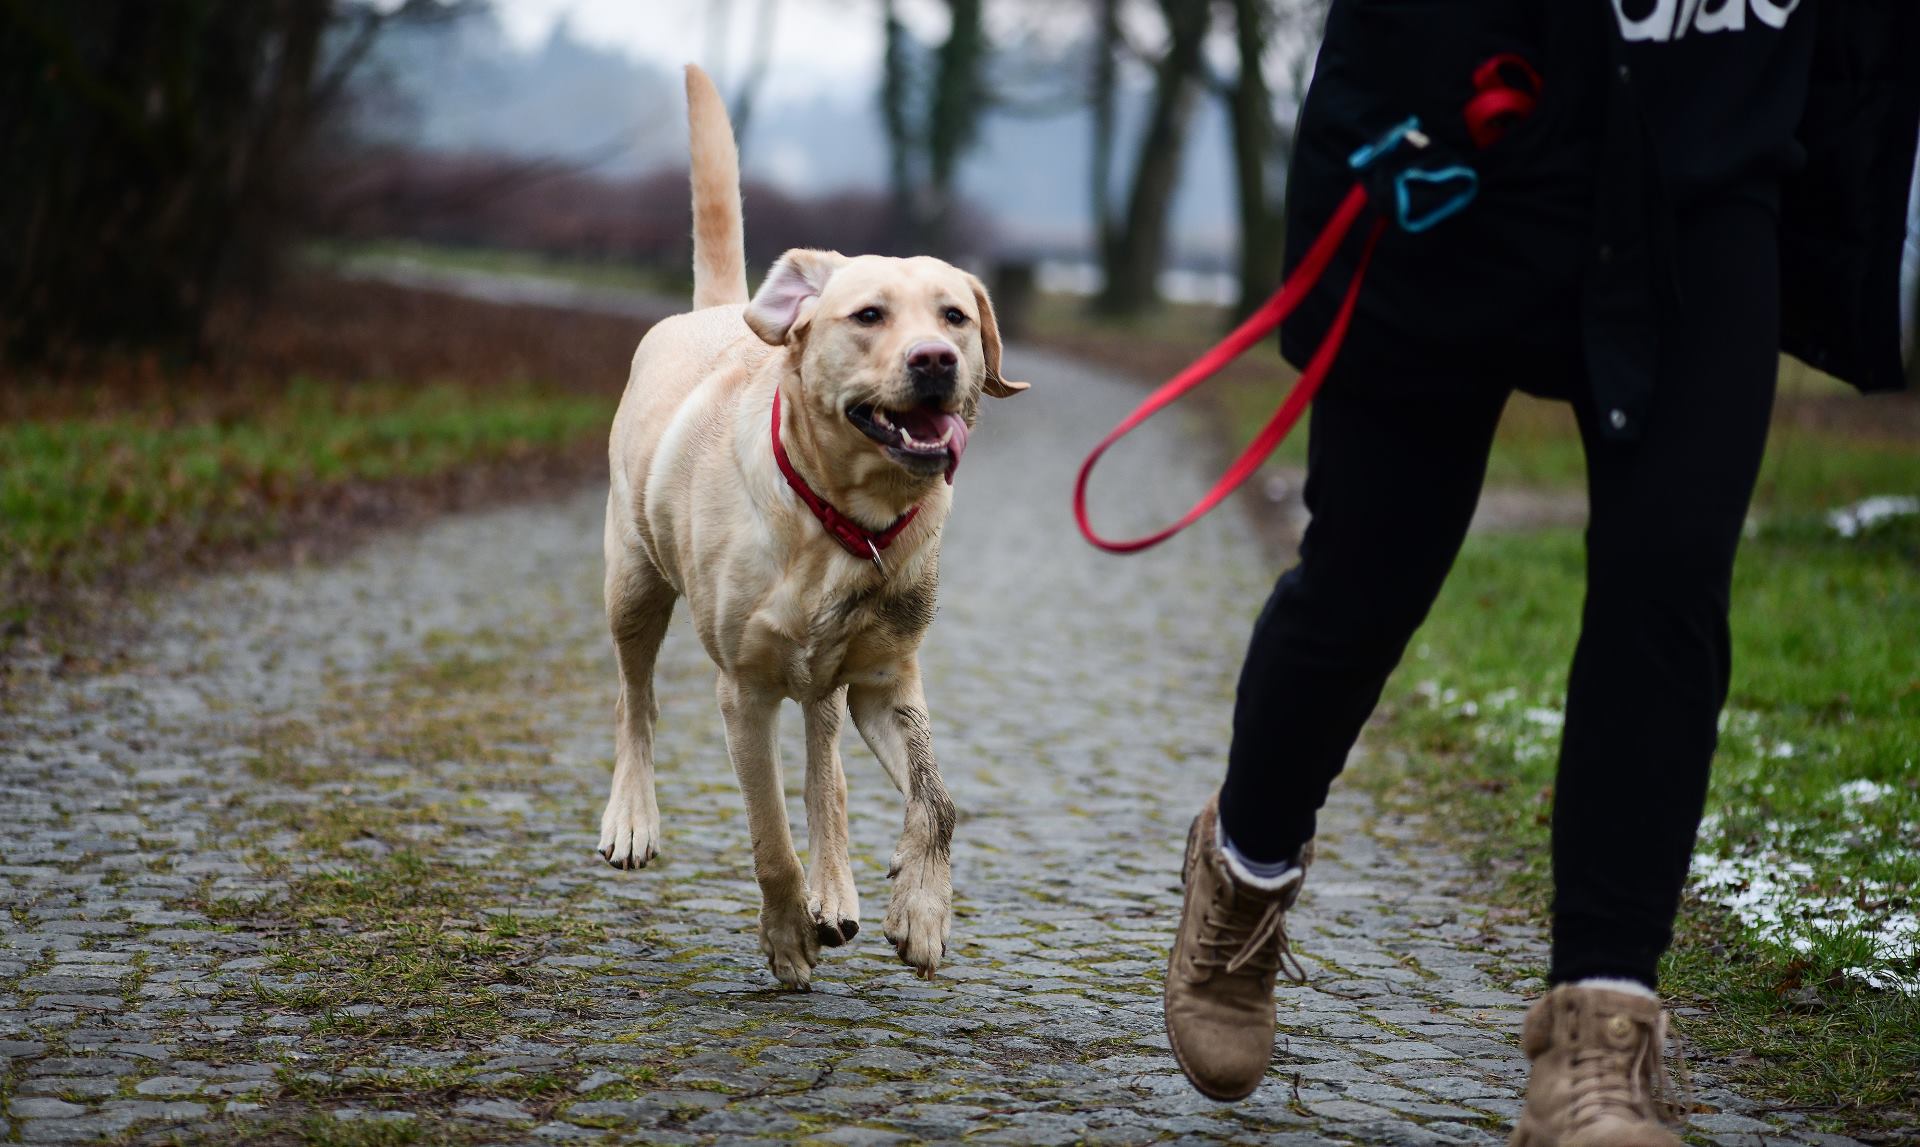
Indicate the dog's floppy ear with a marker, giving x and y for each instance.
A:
(795, 280)
(990, 344)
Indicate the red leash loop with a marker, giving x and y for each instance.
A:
(1506, 91)
(1270, 315)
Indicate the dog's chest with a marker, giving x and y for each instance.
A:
(849, 636)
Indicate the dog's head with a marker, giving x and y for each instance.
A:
(893, 356)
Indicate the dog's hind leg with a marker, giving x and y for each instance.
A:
(835, 902)
(639, 608)
(893, 721)
(787, 935)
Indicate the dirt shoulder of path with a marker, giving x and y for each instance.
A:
(331, 410)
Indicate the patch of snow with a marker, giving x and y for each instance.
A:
(1856, 793)
(1850, 521)
(1886, 979)
(1769, 894)
(1547, 718)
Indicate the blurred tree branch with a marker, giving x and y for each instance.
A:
(930, 129)
(154, 147)
(758, 65)
(328, 88)
(65, 67)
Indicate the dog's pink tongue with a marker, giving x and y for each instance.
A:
(956, 445)
(931, 426)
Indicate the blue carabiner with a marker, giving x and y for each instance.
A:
(1396, 135)
(1408, 132)
(1413, 224)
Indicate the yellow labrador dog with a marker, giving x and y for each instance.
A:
(785, 464)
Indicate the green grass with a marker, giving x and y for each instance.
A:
(391, 933)
(376, 936)
(83, 493)
(319, 1129)
(1826, 692)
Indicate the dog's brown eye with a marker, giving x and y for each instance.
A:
(869, 316)
(956, 316)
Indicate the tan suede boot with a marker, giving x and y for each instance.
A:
(1232, 943)
(1598, 1078)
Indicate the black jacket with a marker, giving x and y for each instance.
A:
(1844, 216)
(1563, 251)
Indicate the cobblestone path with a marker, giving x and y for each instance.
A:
(314, 864)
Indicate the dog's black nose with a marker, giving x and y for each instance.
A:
(935, 359)
(933, 370)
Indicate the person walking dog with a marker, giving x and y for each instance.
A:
(1702, 184)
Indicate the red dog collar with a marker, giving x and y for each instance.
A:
(853, 537)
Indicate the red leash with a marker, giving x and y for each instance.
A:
(1506, 90)
(1257, 327)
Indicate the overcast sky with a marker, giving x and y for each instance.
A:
(819, 46)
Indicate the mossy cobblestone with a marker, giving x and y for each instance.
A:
(313, 863)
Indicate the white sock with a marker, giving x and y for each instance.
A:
(1617, 984)
(1267, 876)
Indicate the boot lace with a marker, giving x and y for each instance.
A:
(1246, 933)
(1634, 1084)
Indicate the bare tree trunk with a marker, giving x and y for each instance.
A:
(895, 97)
(1105, 78)
(928, 135)
(953, 116)
(1133, 261)
(1254, 143)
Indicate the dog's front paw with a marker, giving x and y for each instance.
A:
(835, 909)
(789, 940)
(629, 832)
(918, 920)
(836, 905)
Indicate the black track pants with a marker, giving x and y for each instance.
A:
(1395, 465)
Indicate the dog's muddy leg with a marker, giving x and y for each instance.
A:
(639, 607)
(787, 935)
(893, 720)
(835, 902)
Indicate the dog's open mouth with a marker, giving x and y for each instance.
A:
(924, 439)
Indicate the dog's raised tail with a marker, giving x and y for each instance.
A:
(719, 245)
